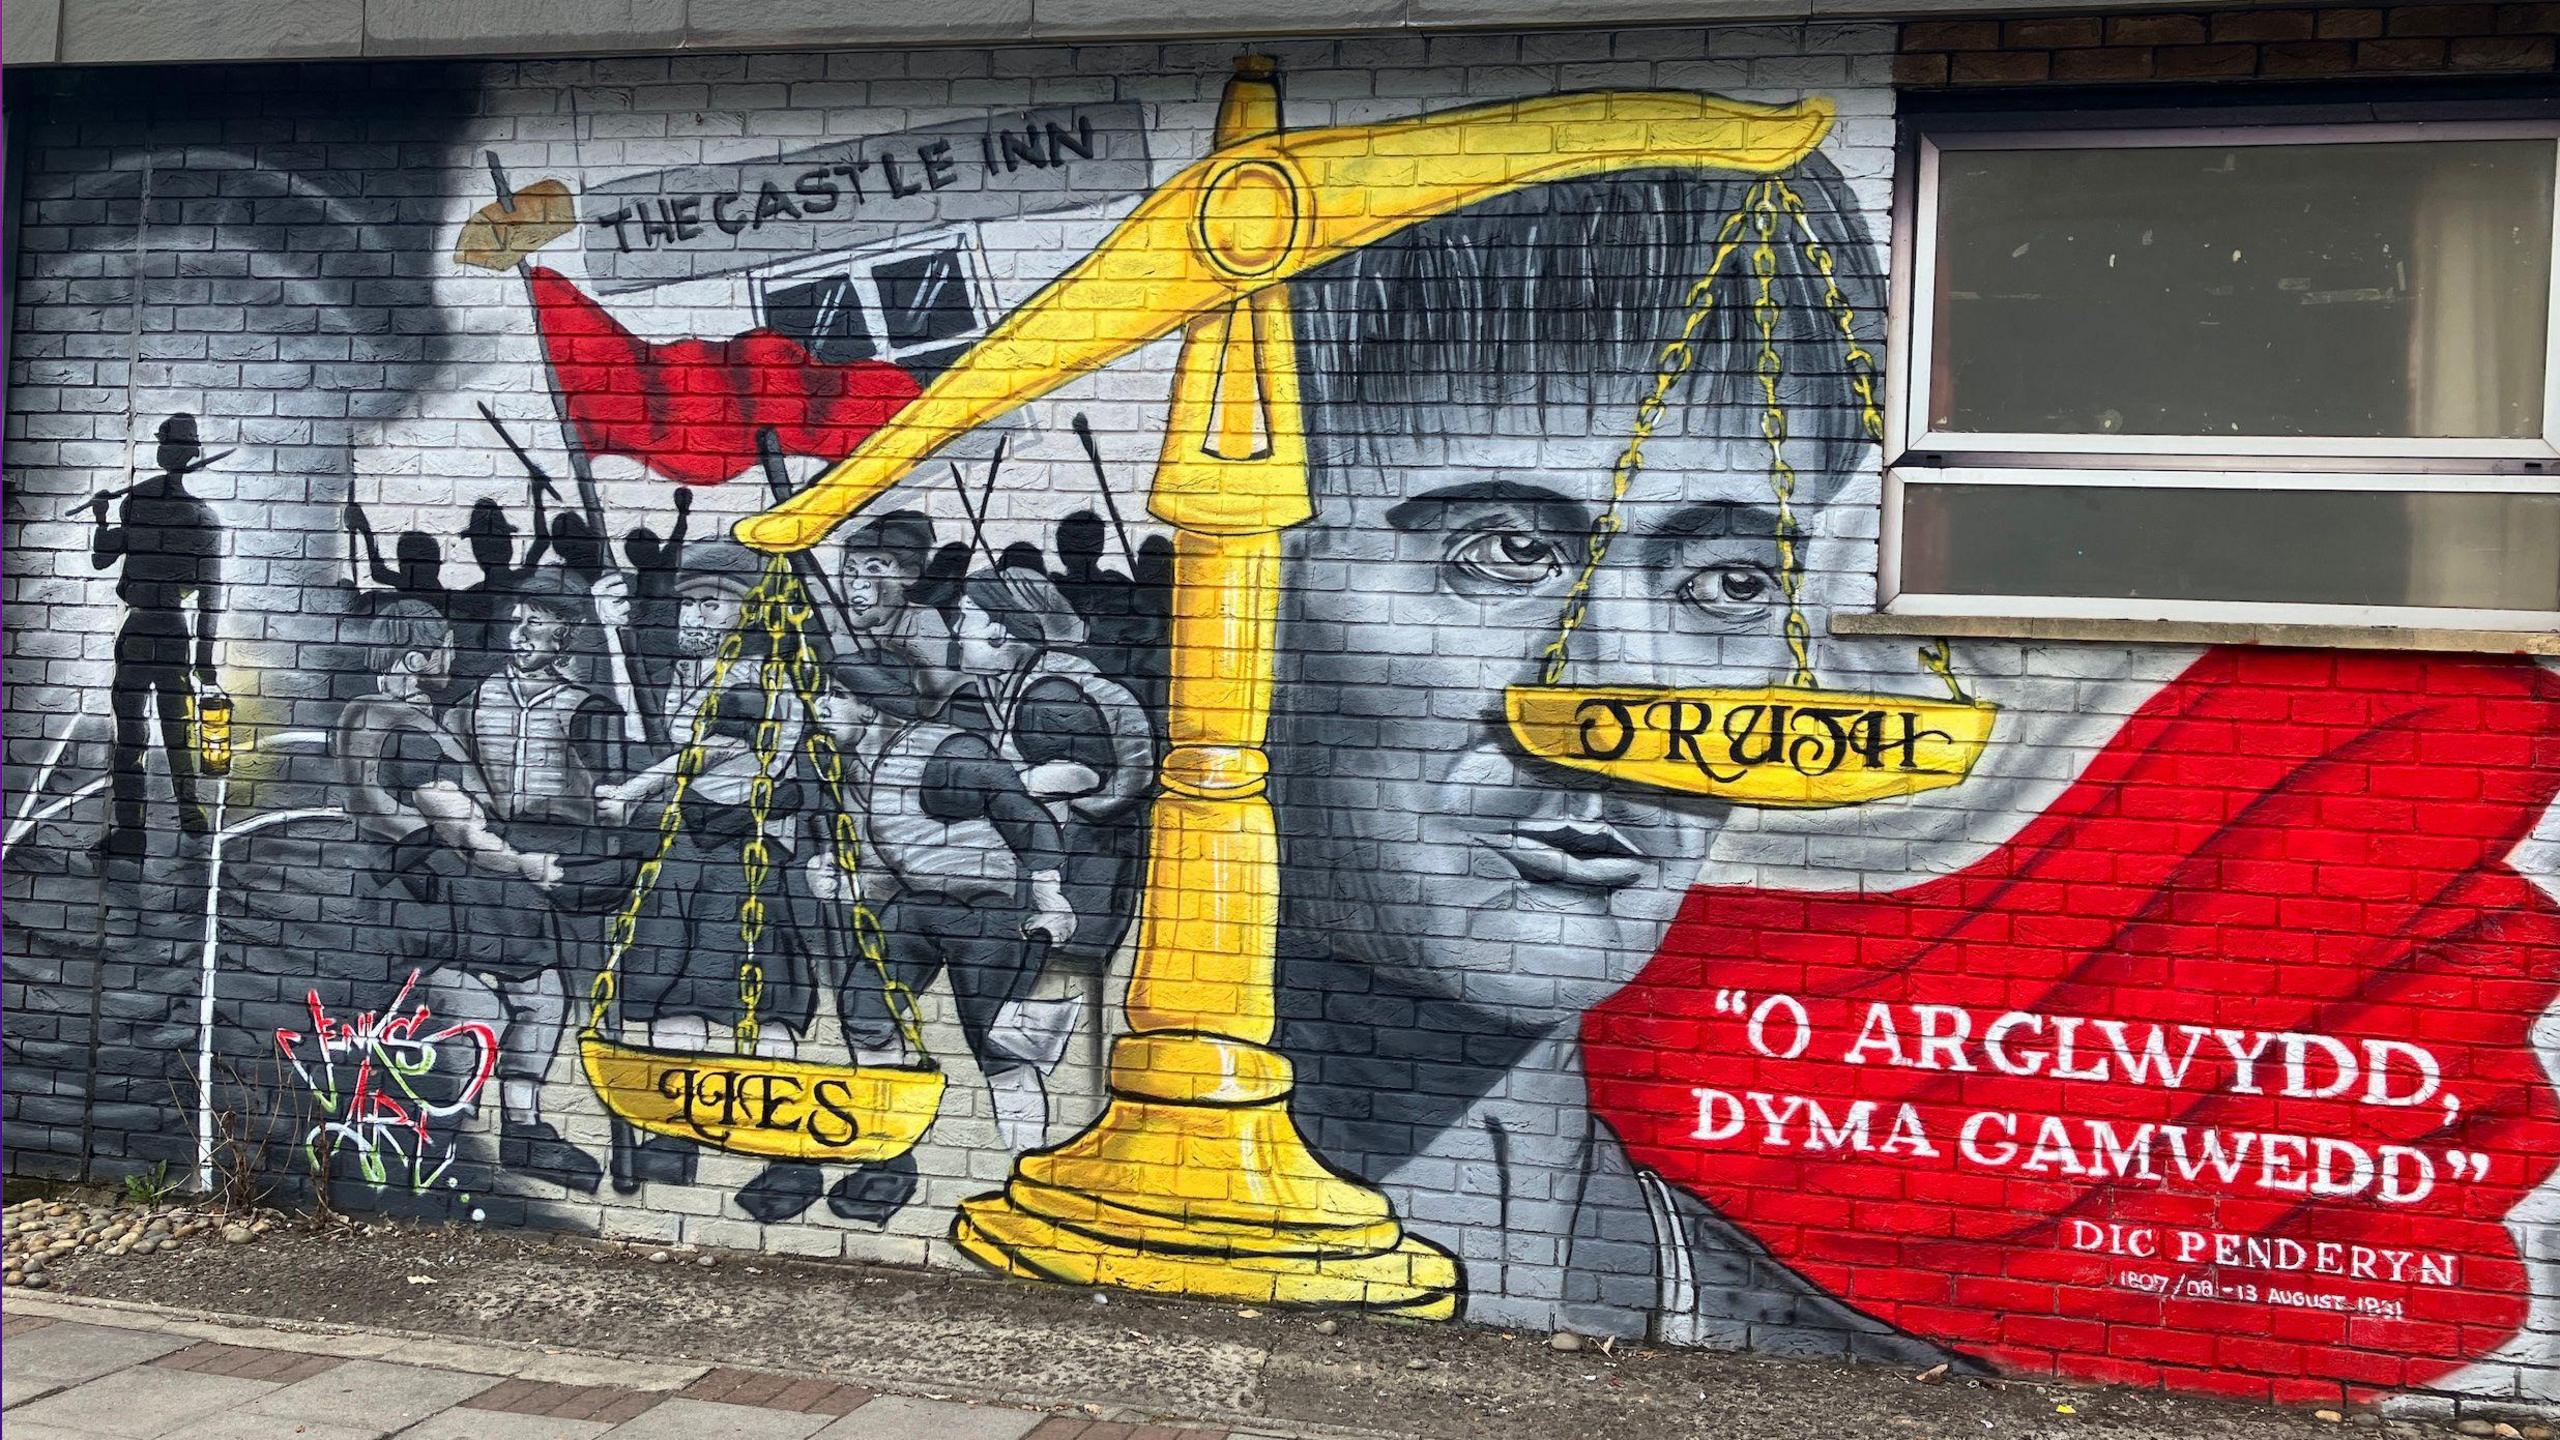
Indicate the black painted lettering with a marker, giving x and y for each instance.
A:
(729, 224)
(833, 1102)
(615, 222)
(686, 216)
(774, 1092)
(1819, 753)
(1020, 150)
(1060, 142)
(772, 204)
(1875, 746)
(1748, 740)
(1683, 723)
(818, 194)
(1621, 729)
(899, 186)
(939, 171)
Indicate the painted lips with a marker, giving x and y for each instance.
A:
(1578, 856)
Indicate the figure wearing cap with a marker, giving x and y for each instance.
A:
(540, 741)
(544, 740)
(680, 979)
(171, 546)
(893, 629)
(469, 905)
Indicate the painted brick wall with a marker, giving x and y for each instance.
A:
(2335, 42)
(1999, 1008)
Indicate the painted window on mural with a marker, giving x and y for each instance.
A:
(913, 307)
(2183, 373)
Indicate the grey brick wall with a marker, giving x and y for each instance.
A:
(1503, 982)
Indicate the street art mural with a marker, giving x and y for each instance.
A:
(1189, 691)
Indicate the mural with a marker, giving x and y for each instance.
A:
(1152, 696)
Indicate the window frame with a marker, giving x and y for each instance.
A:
(861, 267)
(1916, 455)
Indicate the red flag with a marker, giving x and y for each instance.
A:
(2279, 845)
(690, 409)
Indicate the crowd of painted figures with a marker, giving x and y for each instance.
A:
(511, 766)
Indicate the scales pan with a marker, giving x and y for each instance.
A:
(1781, 747)
(756, 1105)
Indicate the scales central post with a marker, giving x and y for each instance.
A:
(1195, 1178)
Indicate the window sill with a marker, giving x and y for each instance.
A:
(2201, 632)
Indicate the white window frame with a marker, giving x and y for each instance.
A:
(1918, 455)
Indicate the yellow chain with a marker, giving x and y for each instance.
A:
(1762, 206)
(1938, 656)
(1773, 428)
(624, 931)
(769, 609)
(828, 763)
(1674, 362)
(1861, 361)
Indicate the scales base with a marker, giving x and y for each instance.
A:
(1194, 1181)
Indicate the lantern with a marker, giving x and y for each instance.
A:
(213, 733)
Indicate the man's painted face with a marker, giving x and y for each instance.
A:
(1432, 579)
(704, 617)
(982, 648)
(874, 588)
(537, 637)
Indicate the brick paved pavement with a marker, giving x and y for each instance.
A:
(79, 1372)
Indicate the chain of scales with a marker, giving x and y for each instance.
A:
(778, 606)
(1770, 208)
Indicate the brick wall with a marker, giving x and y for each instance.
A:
(2255, 44)
(1793, 1052)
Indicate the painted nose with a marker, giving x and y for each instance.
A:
(1623, 636)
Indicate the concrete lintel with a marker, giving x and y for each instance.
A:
(1134, 19)
(825, 24)
(31, 32)
(1546, 14)
(417, 28)
(129, 32)
(2204, 632)
(134, 32)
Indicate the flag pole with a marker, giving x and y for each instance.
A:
(777, 481)
(1102, 482)
(580, 467)
(499, 242)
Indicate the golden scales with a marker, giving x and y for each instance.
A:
(1195, 1178)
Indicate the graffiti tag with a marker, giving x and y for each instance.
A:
(372, 1080)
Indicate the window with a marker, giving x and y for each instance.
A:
(2274, 373)
(919, 308)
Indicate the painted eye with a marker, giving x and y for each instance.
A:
(1726, 589)
(1514, 558)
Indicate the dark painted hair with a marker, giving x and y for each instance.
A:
(404, 628)
(905, 536)
(1548, 300)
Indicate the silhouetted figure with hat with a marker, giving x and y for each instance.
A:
(481, 611)
(171, 546)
